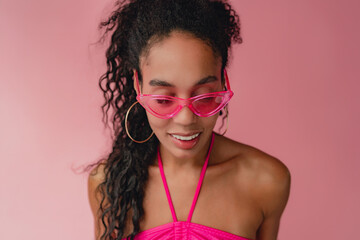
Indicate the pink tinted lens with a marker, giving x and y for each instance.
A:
(162, 106)
(208, 104)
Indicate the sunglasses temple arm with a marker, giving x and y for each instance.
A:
(227, 80)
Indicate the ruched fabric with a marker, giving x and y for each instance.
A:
(185, 230)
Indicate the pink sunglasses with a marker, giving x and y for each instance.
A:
(204, 105)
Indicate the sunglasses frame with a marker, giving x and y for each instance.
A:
(226, 96)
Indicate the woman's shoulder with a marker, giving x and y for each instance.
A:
(266, 177)
(254, 164)
(97, 173)
(95, 178)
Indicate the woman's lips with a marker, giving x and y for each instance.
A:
(186, 137)
(185, 141)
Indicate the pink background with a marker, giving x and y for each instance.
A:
(296, 83)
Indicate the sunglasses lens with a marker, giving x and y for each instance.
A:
(162, 106)
(203, 105)
(209, 104)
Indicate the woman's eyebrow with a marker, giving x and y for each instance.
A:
(205, 80)
(162, 83)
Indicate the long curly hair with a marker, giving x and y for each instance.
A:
(134, 26)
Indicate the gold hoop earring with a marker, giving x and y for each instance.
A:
(126, 126)
(227, 121)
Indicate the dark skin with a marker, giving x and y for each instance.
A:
(244, 191)
(253, 185)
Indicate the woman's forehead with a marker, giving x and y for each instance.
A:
(181, 78)
(180, 56)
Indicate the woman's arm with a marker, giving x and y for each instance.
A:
(275, 188)
(96, 177)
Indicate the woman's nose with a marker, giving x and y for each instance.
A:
(185, 116)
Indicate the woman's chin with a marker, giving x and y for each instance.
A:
(184, 149)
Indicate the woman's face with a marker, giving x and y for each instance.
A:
(181, 66)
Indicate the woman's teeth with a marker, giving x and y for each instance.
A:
(185, 138)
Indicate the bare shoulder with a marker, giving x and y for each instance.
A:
(96, 177)
(267, 169)
(267, 176)
(97, 173)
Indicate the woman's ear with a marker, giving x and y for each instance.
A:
(136, 81)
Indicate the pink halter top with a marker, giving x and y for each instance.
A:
(185, 230)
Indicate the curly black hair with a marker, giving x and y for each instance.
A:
(134, 26)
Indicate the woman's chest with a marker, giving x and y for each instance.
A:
(221, 204)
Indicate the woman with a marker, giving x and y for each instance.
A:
(166, 82)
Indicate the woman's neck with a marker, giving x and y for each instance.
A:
(187, 160)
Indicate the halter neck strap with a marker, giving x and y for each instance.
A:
(202, 174)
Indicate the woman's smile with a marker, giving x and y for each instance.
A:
(185, 141)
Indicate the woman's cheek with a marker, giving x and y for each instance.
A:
(211, 121)
(157, 124)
